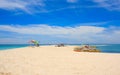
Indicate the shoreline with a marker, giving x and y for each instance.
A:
(55, 46)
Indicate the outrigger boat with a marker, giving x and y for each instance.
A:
(86, 48)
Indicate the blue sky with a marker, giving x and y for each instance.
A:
(60, 21)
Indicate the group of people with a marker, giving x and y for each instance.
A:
(36, 43)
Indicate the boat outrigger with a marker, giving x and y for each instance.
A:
(86, 48)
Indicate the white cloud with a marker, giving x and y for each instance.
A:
(109, 4)
(40, 6)
(72, 1)
(24, 5)
(84, 34)
(51, 30)
(31, 6)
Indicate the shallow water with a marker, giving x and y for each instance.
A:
(11, 46)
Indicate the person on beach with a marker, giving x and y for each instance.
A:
(36, 43)
(87, 46)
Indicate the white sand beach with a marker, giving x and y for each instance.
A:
(51, 60)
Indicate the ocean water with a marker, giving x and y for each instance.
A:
(105, 48)
(11, 46)
(110, 48)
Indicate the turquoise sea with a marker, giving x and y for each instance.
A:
(11, 46)
(110, 48)
(106, 48)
